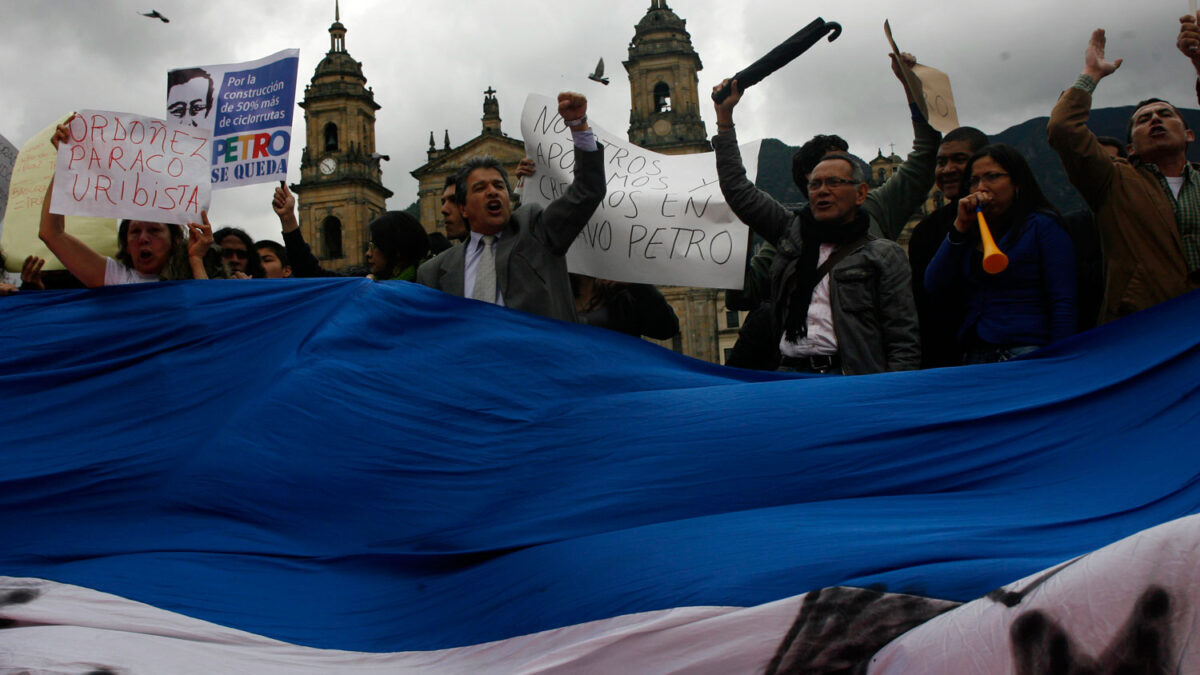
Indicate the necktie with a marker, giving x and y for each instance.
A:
(485, 272)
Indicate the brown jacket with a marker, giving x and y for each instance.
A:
(1143, 252)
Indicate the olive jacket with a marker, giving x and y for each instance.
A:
(1143, 251)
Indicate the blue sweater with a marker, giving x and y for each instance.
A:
(1032, 302)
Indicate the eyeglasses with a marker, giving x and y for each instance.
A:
(833, 183)
(235, 253)
(181, 109)
(371, 246)
(989, 178)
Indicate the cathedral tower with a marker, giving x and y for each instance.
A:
(663, 85)
(341, 188)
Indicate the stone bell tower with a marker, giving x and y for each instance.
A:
(663, 84)
(341, 188)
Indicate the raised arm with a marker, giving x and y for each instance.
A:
(304, 263)
(200, 239)
(79, 259)
(1088, 166)
(893, 203)
(757, 209)
(566, 216)
(1188, 41)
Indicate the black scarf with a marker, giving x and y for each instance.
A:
(805, 279)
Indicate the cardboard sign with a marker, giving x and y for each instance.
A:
(23, 216)
(129, 166)
(663, 219)
(929, 88)
(247, 108)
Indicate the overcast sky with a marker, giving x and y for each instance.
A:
(429, 62)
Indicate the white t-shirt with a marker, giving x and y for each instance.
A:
(1176, 184)
(116, 274)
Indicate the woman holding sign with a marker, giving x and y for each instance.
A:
(145, 251)
(1031, 302)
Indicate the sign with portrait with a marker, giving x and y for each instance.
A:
(247, 108)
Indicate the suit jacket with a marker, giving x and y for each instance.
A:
(531, 271)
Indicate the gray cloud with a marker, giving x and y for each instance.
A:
(429, 63)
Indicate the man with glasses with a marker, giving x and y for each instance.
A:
(1147, 207)
(189, 96)
(841, 299)
(939, 319)
(889, 205)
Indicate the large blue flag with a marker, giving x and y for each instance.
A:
(378, 467)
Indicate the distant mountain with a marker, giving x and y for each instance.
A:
(775, 171)
(1030, 138)
(775, 157)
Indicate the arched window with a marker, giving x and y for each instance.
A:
(331, 238)
(662, 98)
(331, 139)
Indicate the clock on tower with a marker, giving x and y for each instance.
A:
(341, 188)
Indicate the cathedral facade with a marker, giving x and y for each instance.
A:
(443, 162)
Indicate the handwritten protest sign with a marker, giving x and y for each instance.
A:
(30, 177)
(247, 107)
(128, 166)
(929, 88)
(663, 219)
(8, 157)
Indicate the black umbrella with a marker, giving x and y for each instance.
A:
(781, 55)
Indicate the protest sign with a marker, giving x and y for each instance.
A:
(129, 166)
(8, 157)
(663, 219)
(247, 107)
(30, 176)
(929, 88)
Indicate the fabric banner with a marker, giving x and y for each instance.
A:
(264, 469)
(663, 220)
(247, 107)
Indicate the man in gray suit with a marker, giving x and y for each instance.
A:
(515, 258)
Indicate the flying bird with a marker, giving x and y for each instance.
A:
(154, 14)
(599, 74)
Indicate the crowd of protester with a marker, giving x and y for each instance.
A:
(830, 291)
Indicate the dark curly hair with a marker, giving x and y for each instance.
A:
(401, 239)
(253, 262)
(810, 155)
